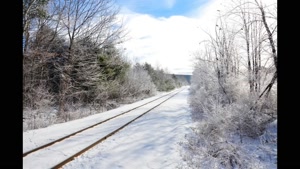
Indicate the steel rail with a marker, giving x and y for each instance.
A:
(72, 134)
(71, 158)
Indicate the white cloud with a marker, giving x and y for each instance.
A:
(169, 42)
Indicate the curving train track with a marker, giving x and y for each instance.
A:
(42, 151)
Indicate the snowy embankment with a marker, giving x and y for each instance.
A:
(38, 137)
(149, 142)
(258, 153)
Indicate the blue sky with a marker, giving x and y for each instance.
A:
(162, 8)
(165, 33)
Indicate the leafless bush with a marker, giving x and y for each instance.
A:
(209, 146)
(42, 113)
(34, 119)
(233, 97)
(223, 129)
(138, 82)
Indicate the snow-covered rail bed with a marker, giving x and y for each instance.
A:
(63, 151)
(48, 140)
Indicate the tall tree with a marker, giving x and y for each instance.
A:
(272, 45)
(32, 9)
(82, 19)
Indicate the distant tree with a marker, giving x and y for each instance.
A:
(162, 80)
(138, 82)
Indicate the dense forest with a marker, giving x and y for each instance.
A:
(71, 62)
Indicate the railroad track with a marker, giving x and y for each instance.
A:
(86, 128)
(59, 165)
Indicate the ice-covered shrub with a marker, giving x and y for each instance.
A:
(41, 114)
(138, 82)
(228, 116)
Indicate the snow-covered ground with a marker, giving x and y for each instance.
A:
(38, 137)
(149, 142)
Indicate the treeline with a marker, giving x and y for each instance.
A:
(71, 62)
(233, 92)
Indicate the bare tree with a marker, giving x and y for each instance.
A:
(220, 51)
(252, 19)
(32, 9)
(85, 19)
(43, 46)
(92, 19)
(219, 101)
(64, 41)
(272, 45)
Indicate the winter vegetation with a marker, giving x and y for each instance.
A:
(233, 94)
(72, 67)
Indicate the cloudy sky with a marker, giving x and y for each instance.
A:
(166, 33)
